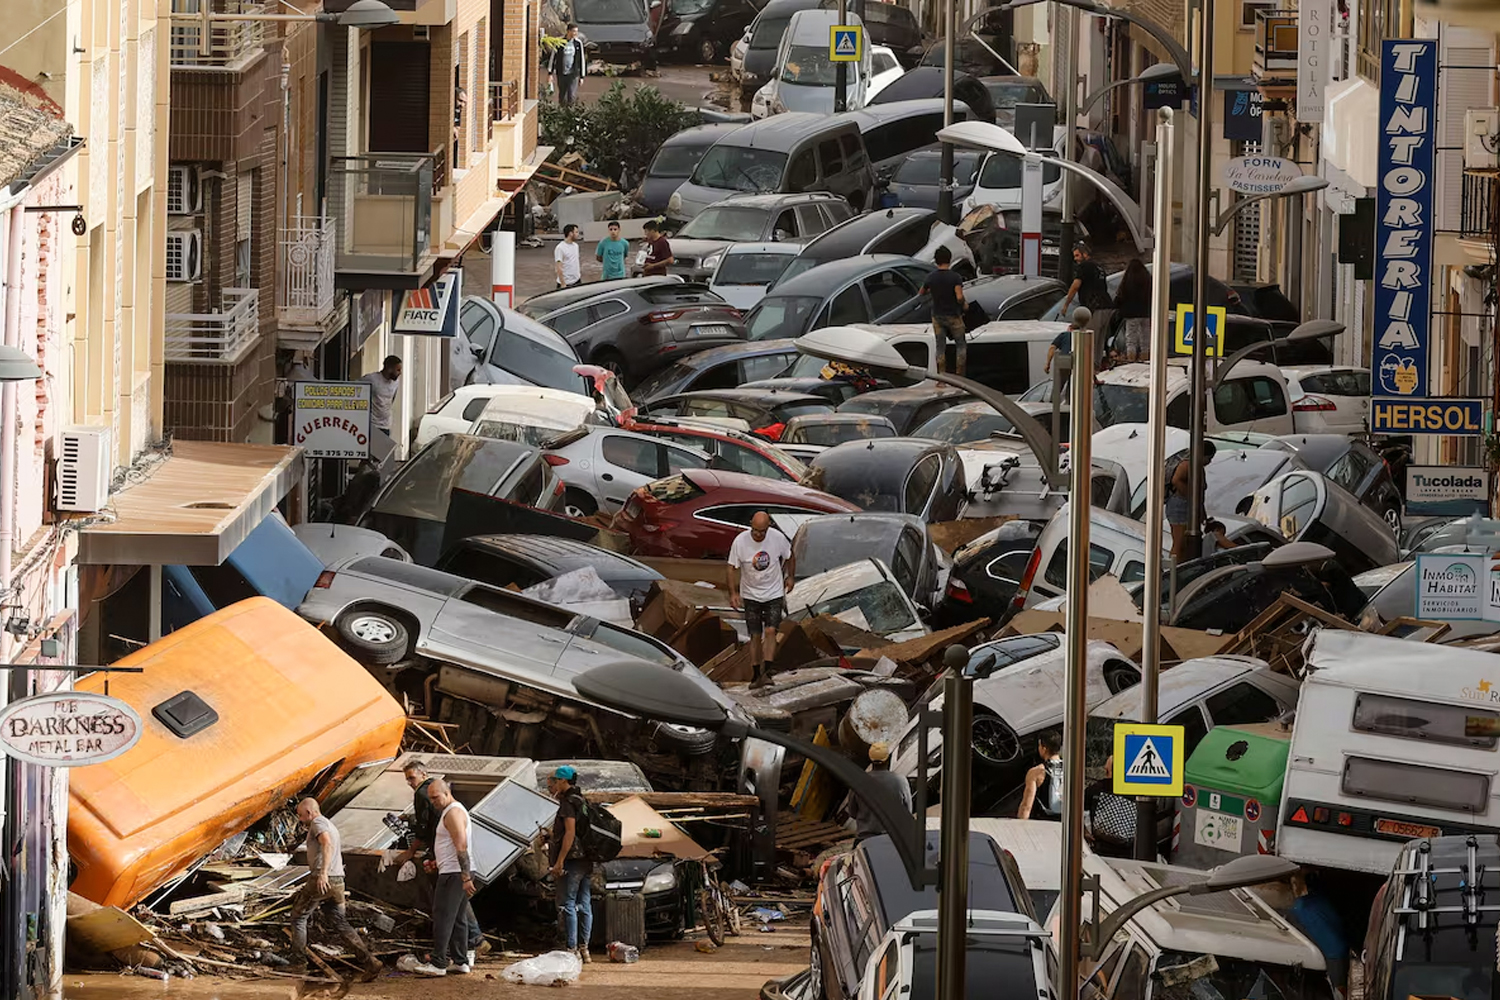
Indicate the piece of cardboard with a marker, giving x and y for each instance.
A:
(636, 818)
(103, 929)
(949, 535)
(714, 571)
(703, 637)
(1177, 644)
(923, 648)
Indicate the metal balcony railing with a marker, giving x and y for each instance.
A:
(1479, 205)
(230, 43)
(309, 247)
(505, 100)
(217, 338)
(381, 208)
(1275, 44)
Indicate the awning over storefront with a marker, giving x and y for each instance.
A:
(193, 508)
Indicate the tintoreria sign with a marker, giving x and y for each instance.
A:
(68, 728)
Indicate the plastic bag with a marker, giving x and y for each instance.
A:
(545, 970)
(579, 586)
(408, 872)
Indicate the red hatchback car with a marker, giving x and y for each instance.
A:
(698, 513)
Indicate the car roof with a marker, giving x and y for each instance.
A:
(823, 280)
(921, 392)
(804, 419)
(874, 115)
(1317, 451)
(779, 132)
(1183, 683)
(776, 248)
(780, 6)
(772, 396)
(701, 135)
(899, 453)
(776, 199)
(571, 296)
(561, 554)
(853, 235)
(812, 25)
(709, 480)
(988, 887)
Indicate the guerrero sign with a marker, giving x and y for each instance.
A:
(68, 729)
(1403, 227)
(332, 419)
(1260, 174)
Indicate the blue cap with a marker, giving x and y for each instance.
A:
(566, 773)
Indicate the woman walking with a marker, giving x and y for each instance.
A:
(1133, 306)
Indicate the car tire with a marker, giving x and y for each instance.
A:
(708, 52)
(577, 503)
(685, 739)
(615, 362)
(994, 742)
(374, 637)
(817, 987)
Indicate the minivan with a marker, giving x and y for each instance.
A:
(805, 78)
(895, 129)
(763, 40)
(790, 152)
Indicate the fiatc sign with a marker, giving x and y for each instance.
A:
(68, 729)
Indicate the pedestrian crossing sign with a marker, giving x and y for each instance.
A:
(846, 42)
(1217, 318)
(1148, 760)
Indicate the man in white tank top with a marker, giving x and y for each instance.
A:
(455, 884)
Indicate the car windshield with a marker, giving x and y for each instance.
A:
(882, 604)
(422, 487)
(506, 430)
(726, 223)
(869, 485)
(1001, 171)
(768, 32)
(608, 11)
(926, 171)
(533, 361)
(1008, 95)
(988, 963)
(739, 168)
(1461, 980)
(1120, 404)
(809, 66)
(676, 161)
(961, 424)
(780, 316)
(689, 6)
(752, 268)
(827, 435)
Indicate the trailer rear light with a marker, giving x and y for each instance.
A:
(663, 316)
(325, 580)
(1313, 404)
(959, 592)
(554, 460)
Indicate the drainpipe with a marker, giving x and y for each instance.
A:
(8, 408)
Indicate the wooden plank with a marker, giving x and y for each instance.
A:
(678, 800)
(228, 896)
(106, 929)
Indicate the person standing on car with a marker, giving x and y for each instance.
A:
(1179, 496)
(1089, 286)
(575, 896)
(761, 570)
(1133, 306)
(568, 65)
(455, 884)
(565, 258)
(658, 250)
(611, 253)
(946, 289)
(325, 889)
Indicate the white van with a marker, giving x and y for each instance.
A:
(1254, 397)
(1393, 740)
(534, 415)
(805, 76)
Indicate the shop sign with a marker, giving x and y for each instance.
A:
(1260, 174)
(430, 311)
(1451, 588)
(68, 728)
(1243, 110)
(331, 419)
(1426, 484)
(1406, 170)
(1314, 23)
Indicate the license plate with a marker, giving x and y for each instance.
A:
(1217, 830)
(1410, 831)
(712, 330)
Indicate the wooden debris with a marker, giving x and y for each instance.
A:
(813, 797)
(793, 833)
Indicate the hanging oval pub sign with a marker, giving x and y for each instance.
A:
(68, 728)
(1260, 174)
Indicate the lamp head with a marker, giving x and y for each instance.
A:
(1243, 872)
(652, 692)
(368, 14)
(17, 366)
(1305, 184)
(982, 135)
(1158, 71)
(1315, 329)
(857, 347)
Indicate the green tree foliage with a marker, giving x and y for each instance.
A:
(620, 130)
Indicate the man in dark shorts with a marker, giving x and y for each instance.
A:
(946, 289)
(761, 570)
(658, 250)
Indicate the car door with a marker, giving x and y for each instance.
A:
(468, 631)
(889, 292)
(630, 461)
(1256, 403)
(921, 481)
(846, 307)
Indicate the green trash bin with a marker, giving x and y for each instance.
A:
(1231, 795)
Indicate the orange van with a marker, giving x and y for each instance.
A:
(242, 711)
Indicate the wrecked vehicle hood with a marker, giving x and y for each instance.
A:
(864, 594)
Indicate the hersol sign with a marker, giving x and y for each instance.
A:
(68, 728)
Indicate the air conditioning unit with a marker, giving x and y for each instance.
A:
(83, 471)
(184, 193)
(1481, 138)
(184, 255)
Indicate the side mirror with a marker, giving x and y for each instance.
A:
(780, 235)
(477, 351)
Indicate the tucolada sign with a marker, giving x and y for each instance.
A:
(1260, 174)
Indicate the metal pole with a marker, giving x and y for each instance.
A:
(953, 859)
(1193, 543)
(841, 70)
(1145, 813)
(1070, 119)
(1076, 707)
(945, 190)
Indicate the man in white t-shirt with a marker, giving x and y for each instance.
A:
(761, 569)
(565, 258)
(383, 386)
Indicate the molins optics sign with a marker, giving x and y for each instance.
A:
(1403, 233)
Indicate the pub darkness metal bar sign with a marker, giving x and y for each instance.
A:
(1403, 241)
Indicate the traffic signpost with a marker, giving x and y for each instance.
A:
(846, 43)
(1185, 326)
(1148, 760)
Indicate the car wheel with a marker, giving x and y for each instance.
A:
(577, 503)
(613, 362)
(815, 973)
(373, 636)
(708, 52)
(685, 739)
(994, 742)
(1393, 519)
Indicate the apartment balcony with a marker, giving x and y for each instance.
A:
(309, 249)
(513, 131)
(217, 338)
(1479, 207)
(382, 215)
(232, 45)
(1275, 45)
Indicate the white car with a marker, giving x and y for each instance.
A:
(602, 466)
(747, 270)
(1000, 947)
(500, 346)
(998, 183)
(534, 415)
(1329, 399)
(456, 412)
(884, 70)
(864, 594)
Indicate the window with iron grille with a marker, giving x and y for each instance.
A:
(1247, 227)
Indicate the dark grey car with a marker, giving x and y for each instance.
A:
(902, 231)
(699, 245)
(917, 182)
(765, 39)
(871, 288)
(899, 475)
(674, 163)
(898, 540)
(617, 31)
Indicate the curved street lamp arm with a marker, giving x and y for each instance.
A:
(892, 816)
(1128, 209)
(1173, 48)
(1100, 94)
(1105, 932)
(1033, 433)
(1226, 216)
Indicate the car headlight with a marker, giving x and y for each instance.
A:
(683, 28)
(663, 878)
(712, 260)
(674, 203)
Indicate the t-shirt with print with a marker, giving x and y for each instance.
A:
(658, 252)
(759, 564)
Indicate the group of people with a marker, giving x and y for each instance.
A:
(610, 252)
(441, 835)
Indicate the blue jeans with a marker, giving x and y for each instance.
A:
(575, 904)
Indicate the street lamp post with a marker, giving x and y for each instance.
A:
(1196, 373)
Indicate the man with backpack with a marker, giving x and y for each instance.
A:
(572, 865)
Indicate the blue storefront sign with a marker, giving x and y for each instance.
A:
(1168, 93)
(1242, 115)
(1403, 243)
